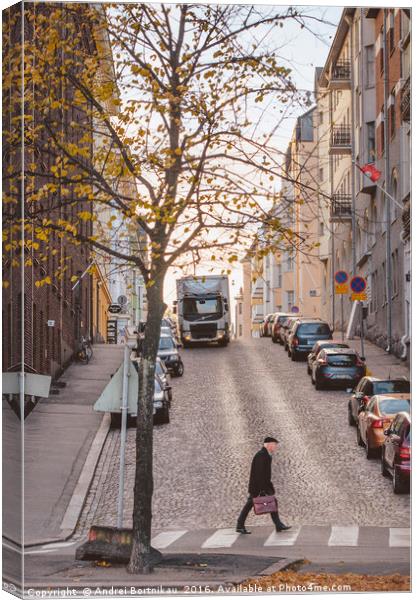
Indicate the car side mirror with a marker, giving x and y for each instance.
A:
(363, 359)
(359, 395)
(387, 431)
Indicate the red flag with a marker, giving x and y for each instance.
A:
(371, 171)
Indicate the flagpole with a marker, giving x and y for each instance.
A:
(380, 187)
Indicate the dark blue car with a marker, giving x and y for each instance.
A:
(342, 367)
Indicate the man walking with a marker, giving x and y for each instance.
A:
(260, 482)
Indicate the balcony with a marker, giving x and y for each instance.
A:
(341, 208)
(340, 142)
(405, 101)
(340, 76)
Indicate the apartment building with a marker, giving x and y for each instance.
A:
(388, 322)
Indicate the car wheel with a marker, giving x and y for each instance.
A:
(274, 339)
(359, 438)
(179, 371)
(293, 356)
(318, 384)
(308, 369)
(398, 484)
(384, 470)
(369, 452)
(351, 420)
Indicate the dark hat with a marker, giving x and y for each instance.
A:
(270, 439)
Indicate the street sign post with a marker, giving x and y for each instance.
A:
(358, 287)
(341, 288)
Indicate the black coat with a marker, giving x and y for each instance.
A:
(260, 474)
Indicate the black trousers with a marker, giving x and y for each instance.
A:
(246, 510)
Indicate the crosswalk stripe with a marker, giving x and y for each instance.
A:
(399, 537)
(344, 536)
(166, 538)
(222, 538)
(283, 538)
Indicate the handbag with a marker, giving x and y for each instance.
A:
(265, 504)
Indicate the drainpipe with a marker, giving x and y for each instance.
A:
(353, 143)
(333, 252)
(387, 179)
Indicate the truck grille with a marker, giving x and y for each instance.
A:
(203, 330)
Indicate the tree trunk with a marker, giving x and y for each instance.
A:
(140, 559)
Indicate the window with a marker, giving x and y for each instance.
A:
(369, 66)
(279, 276)
(290, 300)
(321, 174)
(382, 133)
(395, 276)
(391, 114)
(321, 228)
(391, 32)
(290, 262)
(240, 308)
(381, 51)
(240, 331)
(383, 282)
(370, 136)
(321, 119)
(374, 291)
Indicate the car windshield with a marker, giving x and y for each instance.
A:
(313, 329)
(345, 360)
(159, 370)
(392, 406)
(200, 309)
(390, 387)
(407, 436)
(282, 320)
(166, 343)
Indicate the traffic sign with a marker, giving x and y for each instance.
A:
(357, 284)
(295, 309)
(361, 296)
(341, 277)
(341, 288)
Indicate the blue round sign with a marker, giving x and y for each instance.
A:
(295, 309)
(357, 284)
(341, 277)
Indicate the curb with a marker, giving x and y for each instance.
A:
(282, 565)
(72, 514)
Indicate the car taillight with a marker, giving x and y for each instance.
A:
(405, 452)
(295, 341)
(379, 423)
(322, 361)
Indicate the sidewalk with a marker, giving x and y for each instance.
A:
(379, 363)
(58, 437)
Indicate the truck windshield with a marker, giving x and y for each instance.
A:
(197, 309)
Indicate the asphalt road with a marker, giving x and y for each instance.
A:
(223, 406)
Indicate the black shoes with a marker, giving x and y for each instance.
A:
(283, 527)
(242, 530)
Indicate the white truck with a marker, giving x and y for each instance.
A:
(203, 309)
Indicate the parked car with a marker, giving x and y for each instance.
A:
(264, 325)
(396, 452)
(163, 375)
(337, 366)
(168, 352)
(161, 403)
(276, 326)
(376, 417)
(303, 334)
(372, 386)
(285, 329)
(311, 357)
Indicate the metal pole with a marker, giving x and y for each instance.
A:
(123, 428)
(353, 140)
(387, 179)
(362, 333)
(343, 320)
(333, 253)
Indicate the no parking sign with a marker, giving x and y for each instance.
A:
(341, 286)
(358, 286)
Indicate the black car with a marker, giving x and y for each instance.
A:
(285, 329)
(168, 352)
(372, 386)
(319, 346)
(304, 334)
(337, 366)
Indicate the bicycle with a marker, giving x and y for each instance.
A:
(85, 353)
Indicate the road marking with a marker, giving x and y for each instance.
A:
(222, 538)
(166, 538)
(344, 536)
(399, 537)
(283, 538)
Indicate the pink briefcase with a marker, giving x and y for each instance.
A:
(264, 504)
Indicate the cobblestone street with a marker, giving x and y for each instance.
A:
(223, 406)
